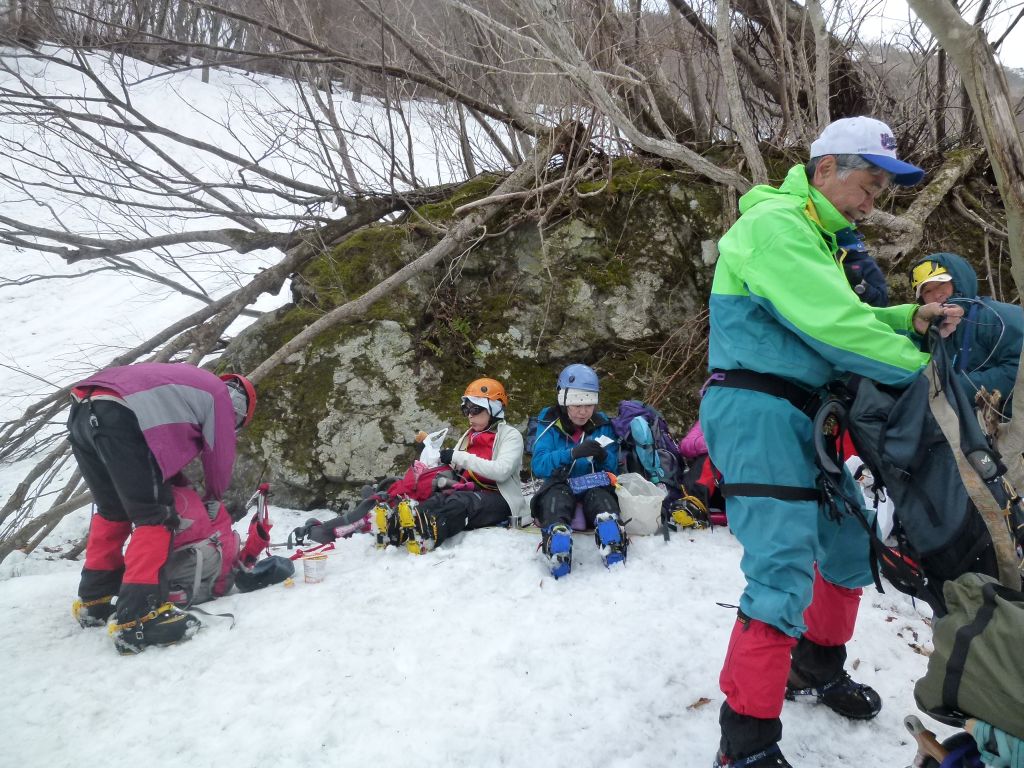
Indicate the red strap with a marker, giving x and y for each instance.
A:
(87, 392)
(319, 549)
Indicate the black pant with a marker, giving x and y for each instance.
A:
(128, 487)
(447, 515)
(556, 504)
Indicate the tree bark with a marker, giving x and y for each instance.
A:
(986, 86)
(737, 108)
(911, 224)
(821, 70)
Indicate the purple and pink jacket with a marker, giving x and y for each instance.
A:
(183, 412)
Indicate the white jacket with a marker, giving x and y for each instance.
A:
(503, 468)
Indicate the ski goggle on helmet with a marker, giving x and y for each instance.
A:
(577, 385)
(928, 272)
(485, 395)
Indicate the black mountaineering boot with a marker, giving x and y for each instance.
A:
(817, 674)
(842, 695)
(749, 742)
(93, 613)
(769, 757)
(166, 625)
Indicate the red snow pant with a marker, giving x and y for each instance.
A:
(130, 493)
(757, 664)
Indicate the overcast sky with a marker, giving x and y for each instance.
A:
(892, 17)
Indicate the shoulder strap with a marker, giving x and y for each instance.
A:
(962, 647)
(980, 467)
(197, 577)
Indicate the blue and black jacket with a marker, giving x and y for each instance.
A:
(862, 271)
(553, 449)
(987, 343)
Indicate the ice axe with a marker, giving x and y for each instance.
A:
(258, 538)
(927, 744)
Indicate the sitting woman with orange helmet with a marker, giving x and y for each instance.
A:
(488, 458)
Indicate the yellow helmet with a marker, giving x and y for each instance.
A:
(928, 272)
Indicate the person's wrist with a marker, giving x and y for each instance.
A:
(916, 321)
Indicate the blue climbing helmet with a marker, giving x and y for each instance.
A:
(577, 385)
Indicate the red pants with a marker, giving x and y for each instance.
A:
(757, 663)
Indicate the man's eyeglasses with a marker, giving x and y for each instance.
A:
(471, 409)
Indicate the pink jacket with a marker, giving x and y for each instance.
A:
(693, 444)
(183, 412)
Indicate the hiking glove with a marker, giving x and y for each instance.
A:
(590, 448)
(446, 455)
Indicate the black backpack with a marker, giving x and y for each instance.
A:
(939, 531)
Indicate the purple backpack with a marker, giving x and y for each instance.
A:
(647, 447)
(630, 409)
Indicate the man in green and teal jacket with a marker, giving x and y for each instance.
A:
(784, 323)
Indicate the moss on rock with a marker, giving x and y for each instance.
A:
(607, 283)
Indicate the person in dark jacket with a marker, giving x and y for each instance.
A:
(862, 271)
(574, 453)
(132, 430)
(987, 343)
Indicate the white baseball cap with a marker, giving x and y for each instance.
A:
(871, 139)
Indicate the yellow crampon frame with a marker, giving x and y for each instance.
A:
(690, 512)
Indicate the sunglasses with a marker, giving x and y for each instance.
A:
(471, 409)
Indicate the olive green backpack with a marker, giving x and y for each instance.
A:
(977, 667)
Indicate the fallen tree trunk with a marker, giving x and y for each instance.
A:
(911, 224)
(523, 178)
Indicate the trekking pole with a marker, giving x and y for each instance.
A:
(927, 744)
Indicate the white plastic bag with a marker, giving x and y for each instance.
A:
(885, 513)
(431, 453)
(640, 504)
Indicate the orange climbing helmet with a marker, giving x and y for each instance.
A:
(487, 394)
(491, 389)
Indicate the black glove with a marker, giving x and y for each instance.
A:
(590, 448)
(446, 455)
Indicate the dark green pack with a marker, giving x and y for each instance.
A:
(977, 667)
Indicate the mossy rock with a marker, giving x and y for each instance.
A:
(609, 282)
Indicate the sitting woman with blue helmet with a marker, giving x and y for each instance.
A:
(570, 456)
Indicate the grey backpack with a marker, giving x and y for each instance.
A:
(193, 571)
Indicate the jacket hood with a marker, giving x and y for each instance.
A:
(797, 190)
(965, 281)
